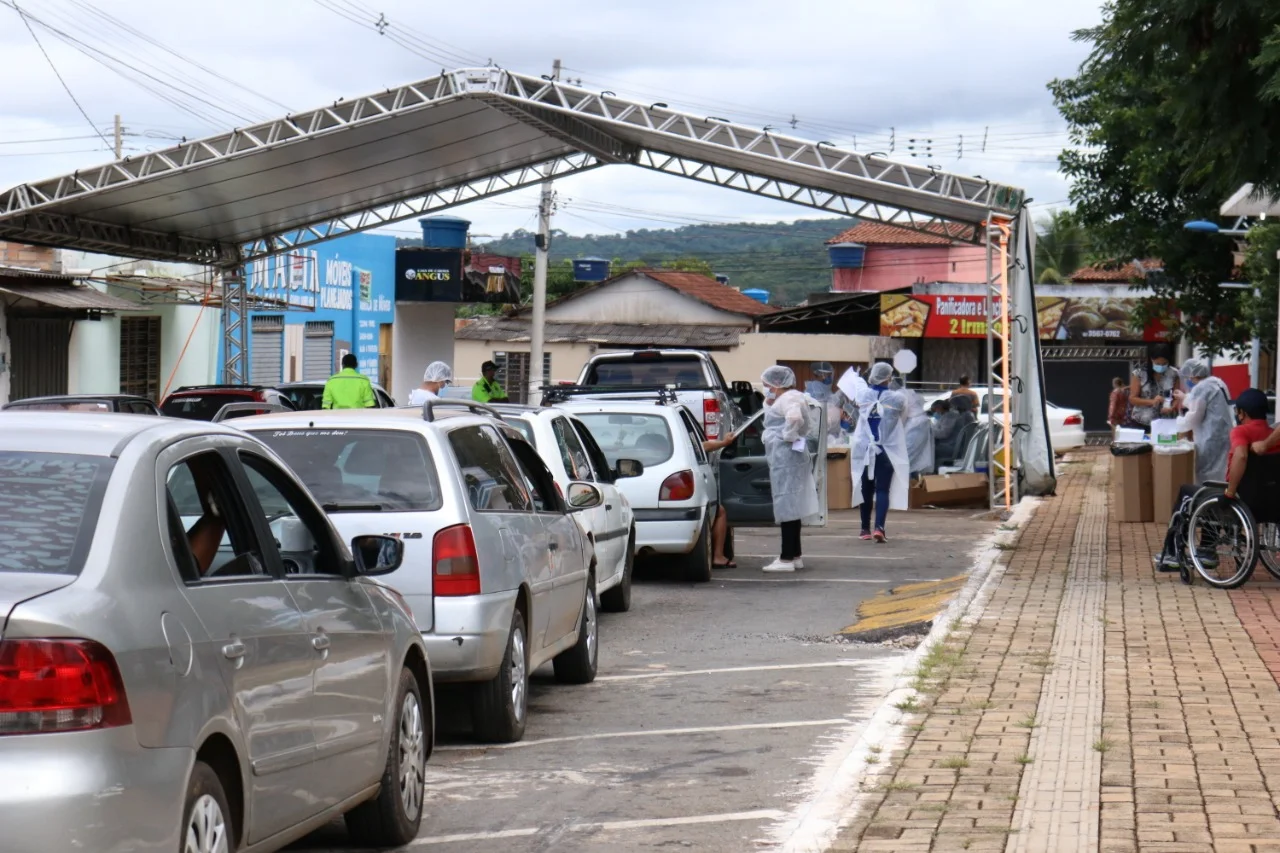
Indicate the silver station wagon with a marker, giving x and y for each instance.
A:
(498, 573)
(190, 657)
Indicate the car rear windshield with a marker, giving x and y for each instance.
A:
(203, 407)
(63, 406)
(305, 399)
(49, 505)
(685, 371)
(360, 470)
(645, 438)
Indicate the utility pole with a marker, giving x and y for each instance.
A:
(538, 328)
(119, 138)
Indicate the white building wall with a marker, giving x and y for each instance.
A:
(422, 333)
(640, 300)
(94, 352)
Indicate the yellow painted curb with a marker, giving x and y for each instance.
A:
(907, 609)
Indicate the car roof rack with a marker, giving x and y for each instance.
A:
(428, 408)
(552, 394)
(256, 408)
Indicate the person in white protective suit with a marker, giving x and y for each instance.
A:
(878, 453)
(819, 387)
(919, 435)
(795, 493)
(434, 379)
(1207, 416)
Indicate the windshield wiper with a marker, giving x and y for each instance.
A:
(336, 507)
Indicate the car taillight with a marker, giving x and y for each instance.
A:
(59, 686)
(455, 567)
(711, 416)
(677, 487)
(1074, 420)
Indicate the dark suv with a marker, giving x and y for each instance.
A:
(203, 402)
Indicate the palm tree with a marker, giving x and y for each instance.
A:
(1062, 247)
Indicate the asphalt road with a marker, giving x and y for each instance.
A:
(713, 706)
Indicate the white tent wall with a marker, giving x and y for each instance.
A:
(1031, 439)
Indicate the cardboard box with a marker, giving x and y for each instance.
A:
(1169, 473)
(1131, 487)
(839, 479)
(954, 490)
(915, 495)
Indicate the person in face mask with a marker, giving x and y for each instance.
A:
(1151, 388)
(1207, 417)
(819, 387)
(795, 493)
(878, 453)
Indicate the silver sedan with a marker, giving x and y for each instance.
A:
(191, 659)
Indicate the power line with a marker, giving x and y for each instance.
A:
(58, 74)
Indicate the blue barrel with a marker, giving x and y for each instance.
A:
(444, 232)
(757, 294)
(590, 269)
(846, 256)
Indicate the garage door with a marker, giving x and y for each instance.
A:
(39, 356)
(266, 350)
(317, 350)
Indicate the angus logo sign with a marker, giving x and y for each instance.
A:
(429, 275)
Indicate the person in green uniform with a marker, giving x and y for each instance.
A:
(348, 388)
(487, 390)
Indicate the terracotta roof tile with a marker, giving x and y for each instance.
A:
(709, 292)
(1111, 273)
(880, 234)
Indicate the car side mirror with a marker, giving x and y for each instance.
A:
(377, 555)
(583, 496)
(627, 468)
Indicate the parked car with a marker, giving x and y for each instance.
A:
(122, 403)
(1066, 426)
(498, 573)
(165, 678)
(698, 383)
(307, 395)
(203, 402)
(570, 452)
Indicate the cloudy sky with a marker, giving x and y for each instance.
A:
(962, 81)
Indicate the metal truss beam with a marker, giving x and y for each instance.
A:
(998, 233)
(47, 227)
(235, 326)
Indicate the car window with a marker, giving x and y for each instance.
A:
(992, 399)
(384, 399)
(50, 504)
(645, 438)
(525, 428)
(364, 470)
(749, 441)
(685, 371)
(305, 398)
(140, 408)
(301, 538)
(694, 433)
(599, 464)
(542, 486)
(201, 407)
(63, 406)
(576, 464)
(209, 532)
(493, 480)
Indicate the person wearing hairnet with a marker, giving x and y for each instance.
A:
(879, 450)
(919, 435)
(1207, 416)
(819, 387)
(434, 379)
(795, 493)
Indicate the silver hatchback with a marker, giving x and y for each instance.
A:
(190, 657)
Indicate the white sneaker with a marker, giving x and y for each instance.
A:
(781, 565)
(798, 562)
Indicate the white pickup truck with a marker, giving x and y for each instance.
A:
(692, 374)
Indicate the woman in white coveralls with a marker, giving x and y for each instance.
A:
(795, 493)
(878, 452)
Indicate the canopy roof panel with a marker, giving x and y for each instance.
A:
(458, 137)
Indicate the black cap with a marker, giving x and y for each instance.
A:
(1253, 403)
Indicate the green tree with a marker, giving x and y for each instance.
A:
(1062, 247)
(1174, 109)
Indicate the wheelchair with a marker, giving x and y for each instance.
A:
(1223, 538)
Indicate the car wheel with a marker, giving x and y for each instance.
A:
(502, 703)
(618, 599)
(577, 665)
(698, 563)
(206, 818)
(392, 818)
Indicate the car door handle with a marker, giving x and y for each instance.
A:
(234, 650)
(320, 642)
(742, 466)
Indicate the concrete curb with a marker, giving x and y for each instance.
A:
(838, 790)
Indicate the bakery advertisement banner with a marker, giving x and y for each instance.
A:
(1086, 319)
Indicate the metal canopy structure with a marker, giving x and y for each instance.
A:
(458, 137)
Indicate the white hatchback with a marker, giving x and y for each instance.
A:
(1066, 426)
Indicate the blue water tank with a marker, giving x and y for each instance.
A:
(846, 256)
(590, 269)
(757, 294)
(444, 232)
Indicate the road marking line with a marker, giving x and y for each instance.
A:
(745, 727)
(650, 823)
(763, 668)
(823, 557)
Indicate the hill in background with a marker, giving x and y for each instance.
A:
(788, 259)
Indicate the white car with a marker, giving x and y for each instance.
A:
(1066, 426)
(571, 453)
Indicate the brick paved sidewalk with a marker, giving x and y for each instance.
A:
(1091, 704)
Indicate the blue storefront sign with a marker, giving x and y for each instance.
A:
(341, 292)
